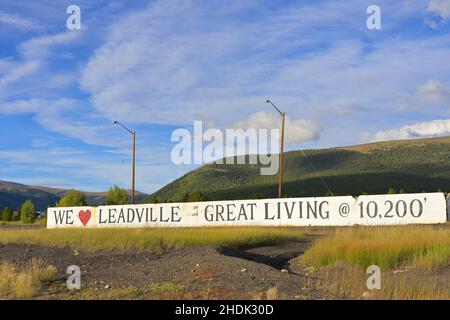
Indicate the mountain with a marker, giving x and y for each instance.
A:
(14, 194)
(413, 165)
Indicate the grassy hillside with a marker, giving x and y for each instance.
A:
(414, 165)
(12, 195)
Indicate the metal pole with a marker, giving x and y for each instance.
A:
(133, 133)
(134, 167)
(280, 177)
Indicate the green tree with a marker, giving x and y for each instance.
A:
(72, 198)
(7, 214)
(116, 196)
(402, 190)
(194, 196)
(16, 216)
(152, 199)
(257, 195)
(27, 212)
(392, 191)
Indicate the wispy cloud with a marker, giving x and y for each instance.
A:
(440, 7)
(17, 21)
(297, 130)
(440, 11)
(430, 94)
(426, 129)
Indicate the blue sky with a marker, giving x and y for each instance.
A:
(160, 65)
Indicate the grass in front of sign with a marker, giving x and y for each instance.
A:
(344, 281)
(154, 239)
(423, 247)
(413, 260)
(24, 283)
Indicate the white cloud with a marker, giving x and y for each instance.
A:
(440, 13)
(22, 106)
(430, 94)
(35, 53)
(17, 21)
(296, 130)
(434, 92)
(66, 117)
(40, 46)
(19, 71)
(440, 8)
(427, 129)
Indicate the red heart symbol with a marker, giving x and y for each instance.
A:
(84, 216)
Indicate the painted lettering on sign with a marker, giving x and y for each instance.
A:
(322, 211)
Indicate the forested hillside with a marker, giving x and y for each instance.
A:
(410, 165)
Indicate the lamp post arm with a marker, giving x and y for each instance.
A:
(117, 122)
(268, 101)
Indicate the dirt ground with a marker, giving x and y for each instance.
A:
(224, 272)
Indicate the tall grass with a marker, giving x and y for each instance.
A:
(349, 282)
(23, 283)
(154, 239)
(388, 247)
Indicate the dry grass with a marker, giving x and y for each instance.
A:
(421, 253)
(154, 239)
(343, 281)
(272, 294)
(367, 147)
(421, 247)
(24, 283)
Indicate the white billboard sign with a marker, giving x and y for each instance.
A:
(391, 209)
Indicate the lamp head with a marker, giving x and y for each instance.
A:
(267, 101)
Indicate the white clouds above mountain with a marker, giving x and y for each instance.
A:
(426, 129)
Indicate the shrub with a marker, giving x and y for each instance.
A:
(392, 191)
(152, 199)
(7, 214)
(16, 216)
(27, 212)
(194, 196)
(72, 198)
(116, 196)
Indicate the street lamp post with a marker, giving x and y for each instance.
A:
(280, 176)
(133, 174)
